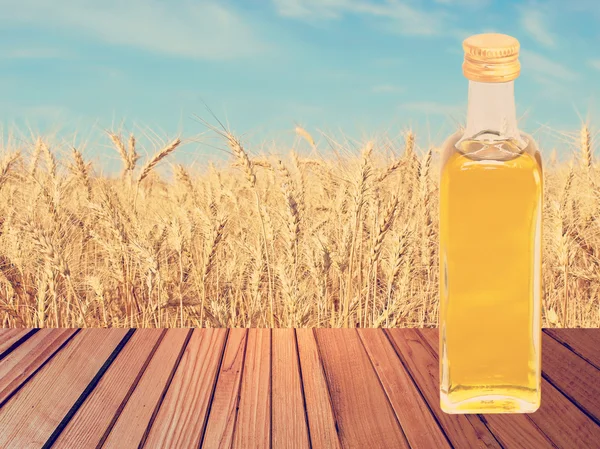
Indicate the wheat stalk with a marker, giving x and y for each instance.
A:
(209, 262)
(132, 156)
(35, 157)
(6, 165)
(242, 158)
(120, 147)
(359, 198)
(314, 251)
(383, 229)
(288, 190)
(50, 161)
(586, 146)
(80, 169)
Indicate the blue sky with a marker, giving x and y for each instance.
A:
(360, 67)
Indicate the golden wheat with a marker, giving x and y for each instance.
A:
(320, 239)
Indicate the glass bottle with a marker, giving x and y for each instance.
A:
(490, 245)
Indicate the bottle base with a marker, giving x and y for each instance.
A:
(488, 404)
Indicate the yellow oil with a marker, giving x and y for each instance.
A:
(490, 278)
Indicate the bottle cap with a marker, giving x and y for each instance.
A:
(491, 58)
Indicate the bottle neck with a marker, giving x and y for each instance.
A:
(491, 108)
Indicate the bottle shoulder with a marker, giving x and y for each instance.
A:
(480, 150)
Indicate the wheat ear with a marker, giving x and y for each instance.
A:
(147, 168)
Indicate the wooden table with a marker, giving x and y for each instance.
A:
(323, 388)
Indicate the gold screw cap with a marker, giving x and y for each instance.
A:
(491, 58)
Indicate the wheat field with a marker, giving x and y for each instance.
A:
(333, 235)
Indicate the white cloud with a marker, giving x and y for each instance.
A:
(387, 89)
(535, 23)
(467, 3)
(203, 30)
(397, 16)
(595, 63)
(535, 62)
(553, 90)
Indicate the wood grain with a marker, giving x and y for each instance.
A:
(223, 410)
(182, 416)
(364, 415)
(10, 337)
(30, 417)
(566, 425)
(253, 424)
(511, 430)
(321, 420)
(21, 363)
(257, 388)
(130, 427)
(102, 407)
(288, 413)
(417, 420)
(583, 342)
(421, 362)
(572, 375)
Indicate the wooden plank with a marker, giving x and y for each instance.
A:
(422, 365)
(223, 410)
(511, 430)
(416, 419)
(574, 377)
(288, 414)
(517, 431)
(583, 342)
(182, 415)
(565, 424)
(253, 424)
(364, 415)
(12, 336)
(130, 427)
(101, 408)
(29, 417)
(28, 357)
(321, 420)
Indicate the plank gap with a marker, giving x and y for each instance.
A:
(165, 389)
(251, 427)
(319, 406)
(383, 387)
(508, 429)
(322, 366)
(364, 413)
(302, 388)
(423, 365)
(214, 388)
(130, 392)
(550, 333)
(482, 418)
(16, 390)
(219, 429)
(6, 351)
(571, 399)
(416, 384)
(82, 397)
(271, 388)
(100, 411)
(410, 378)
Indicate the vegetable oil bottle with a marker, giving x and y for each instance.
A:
(490, 244)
